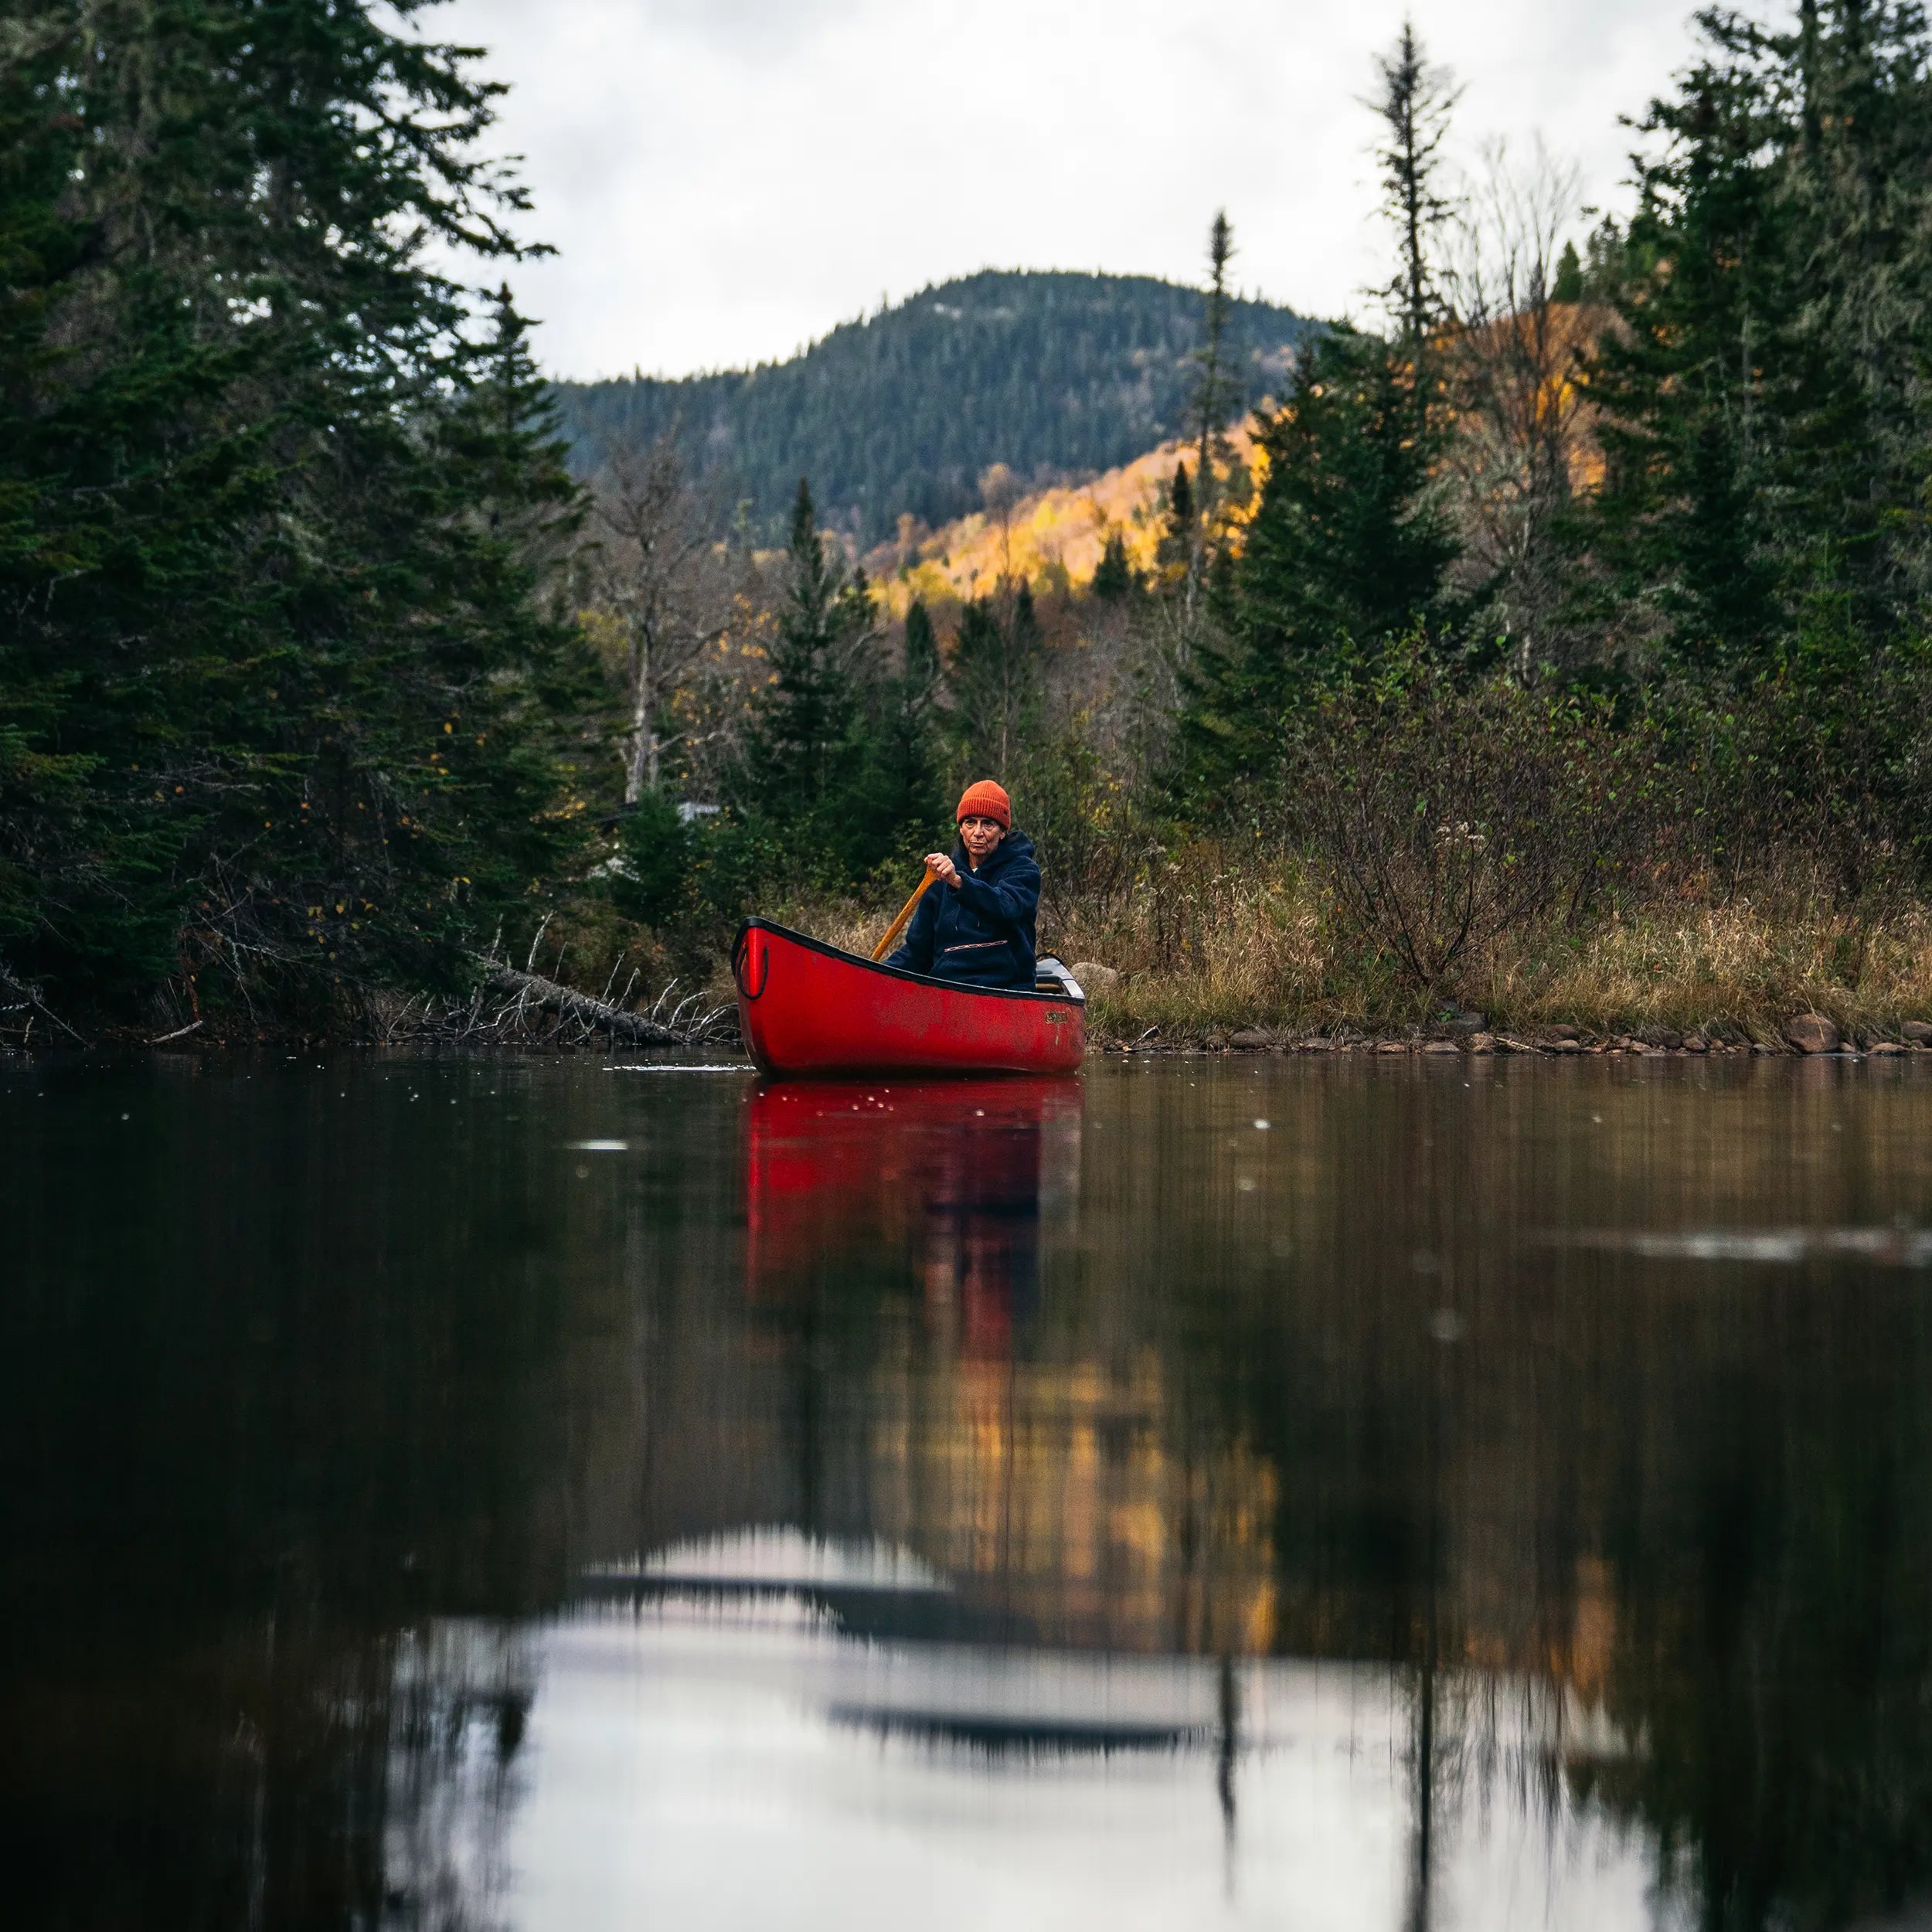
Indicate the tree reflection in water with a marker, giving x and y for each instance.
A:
(312, 1438)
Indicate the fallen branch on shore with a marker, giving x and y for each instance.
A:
(514, 1006)
(30, 999)
(533, 989)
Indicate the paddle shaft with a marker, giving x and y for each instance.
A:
(905, 914)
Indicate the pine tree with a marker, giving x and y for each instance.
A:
(838, 773)
(1173, 554)
(1858, 185)
(897, 808)
(996, 682)
(1606, 262)
(1114, 576)
(272, 646)
(1345, 550)
(1415, 103)
(796, 762)
(1345, 544)
(1217, 394)
(1347, 547)
(1568, 286)
(1761, 529)
(1677, 527)
(922, 647)
(1761, 410)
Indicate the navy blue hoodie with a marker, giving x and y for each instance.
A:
(982, 933)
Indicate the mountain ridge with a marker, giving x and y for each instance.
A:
(1062, 375)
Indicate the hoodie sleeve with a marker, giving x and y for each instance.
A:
(1012, 901)
(915, 951)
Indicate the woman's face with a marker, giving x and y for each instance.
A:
(981, 836)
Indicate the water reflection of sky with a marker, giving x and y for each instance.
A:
(688, 1767)
(477, 1494)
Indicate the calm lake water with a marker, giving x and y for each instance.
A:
(1223, 1491)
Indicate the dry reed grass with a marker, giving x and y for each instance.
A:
(1747, 963)
(1217, 951)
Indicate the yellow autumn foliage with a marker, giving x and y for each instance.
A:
(1052, 539)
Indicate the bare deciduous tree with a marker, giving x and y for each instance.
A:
(667, 580)
(1523, 418)
(999, 491)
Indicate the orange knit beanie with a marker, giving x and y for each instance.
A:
(985, 800)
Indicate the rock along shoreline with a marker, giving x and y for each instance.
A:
(1804, 1035)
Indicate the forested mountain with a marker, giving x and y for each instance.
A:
(1054, 375)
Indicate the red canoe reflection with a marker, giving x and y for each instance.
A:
(943, 1178)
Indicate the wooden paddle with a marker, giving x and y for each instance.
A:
(905, 914)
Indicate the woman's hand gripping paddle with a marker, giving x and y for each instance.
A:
(904, 915)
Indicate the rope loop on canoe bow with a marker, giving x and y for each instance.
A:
(738, 952)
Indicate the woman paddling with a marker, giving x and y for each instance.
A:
(975, 923)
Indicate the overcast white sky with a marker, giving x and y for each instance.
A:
(726, 179)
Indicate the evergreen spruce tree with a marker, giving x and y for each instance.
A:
(1766, 426)
(1030, 643)
(1346, 549)
(839, 771)
(898, 808)
(1217, 394)
(1568, 284)
(1606, 262)
(1114, 576)
(1348, 546)
(1415, 101)
(796, 772)
(922, 647)
(996, 681)
(272, 658)
(1677, 529)
(1762, 416)
(1857, 184)
(1173, 554)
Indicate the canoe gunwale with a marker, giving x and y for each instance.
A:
(755, 924)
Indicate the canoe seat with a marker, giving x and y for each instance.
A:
(1051, 976)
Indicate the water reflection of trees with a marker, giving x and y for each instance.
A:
(1776, 1648)
(1351, 1411)
(286, 1467)
(1693, 1504)
(257, 1438)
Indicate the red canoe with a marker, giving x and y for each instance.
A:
(807, 1007)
